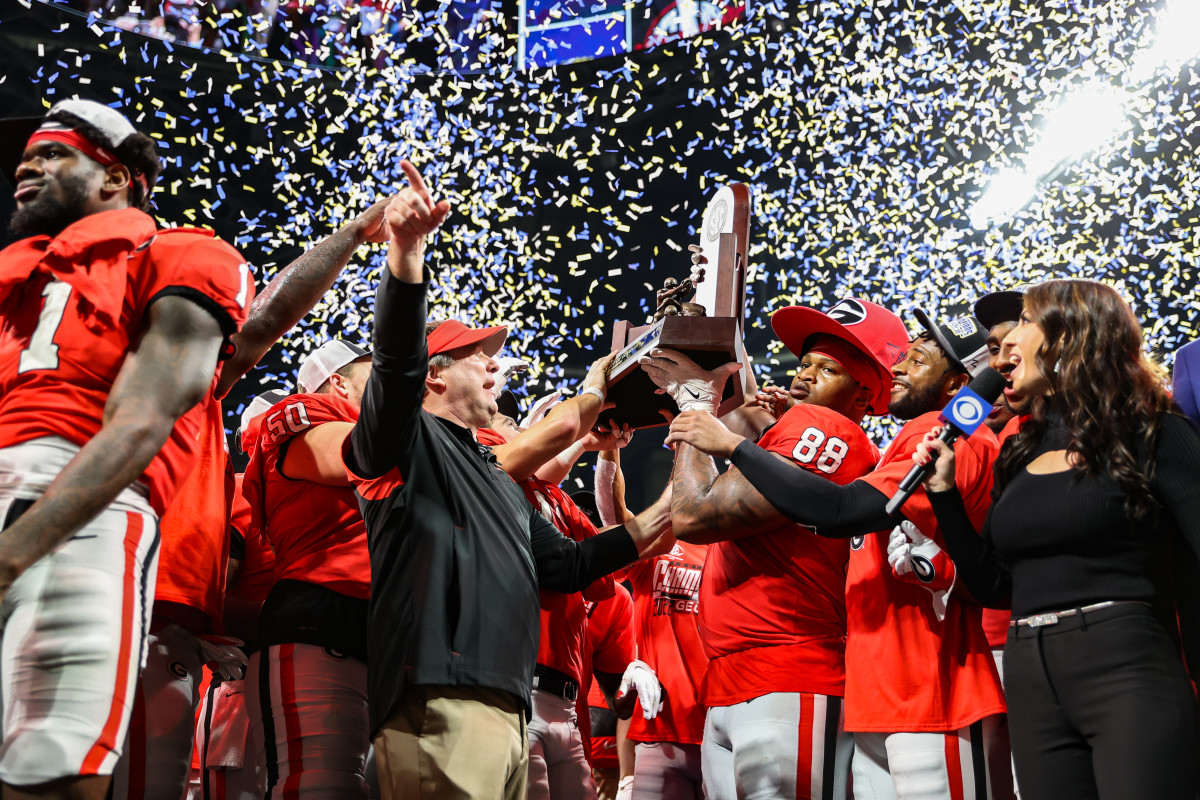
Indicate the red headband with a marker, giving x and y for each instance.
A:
(856, 363)
(89, 148)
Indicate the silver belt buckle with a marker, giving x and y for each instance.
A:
(1041, 620)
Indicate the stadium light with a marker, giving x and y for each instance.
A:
(1082, 122)
(1085, 120)
(1088, 118)
(1175, 41)
(1007, 192)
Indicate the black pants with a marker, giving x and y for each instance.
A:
(1100, 708)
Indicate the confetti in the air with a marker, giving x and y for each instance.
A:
(867, 133)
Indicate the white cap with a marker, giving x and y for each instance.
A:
(260, 405)
(114, 125)
(317, 366)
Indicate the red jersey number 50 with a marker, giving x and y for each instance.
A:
(291, 418)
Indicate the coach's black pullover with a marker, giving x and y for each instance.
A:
(457, 554)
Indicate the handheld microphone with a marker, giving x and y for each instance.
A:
(962, 416)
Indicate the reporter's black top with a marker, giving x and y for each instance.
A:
(1064, 540)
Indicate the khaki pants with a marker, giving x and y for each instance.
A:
(450, 742)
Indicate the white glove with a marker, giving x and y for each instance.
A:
(915, 558)
(540, 408)
(624, 789)
(687, 383)
(509, 366)
(897, 550)
(222, 654)
(643, 680)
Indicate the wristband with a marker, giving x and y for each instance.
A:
(592, 390)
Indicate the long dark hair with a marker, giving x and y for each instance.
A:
(1104, 388)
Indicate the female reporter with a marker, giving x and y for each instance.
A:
(1087, 499)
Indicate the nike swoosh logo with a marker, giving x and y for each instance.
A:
(695, 395)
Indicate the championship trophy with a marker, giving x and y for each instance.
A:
(708, 328)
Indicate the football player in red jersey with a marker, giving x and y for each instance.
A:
(309, 681)
(222, 755)
(922, 694)
(194, 556)
(772, 611)
(113, 333)
(610, 650)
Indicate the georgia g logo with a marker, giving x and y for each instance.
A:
(856, 542)
(848, 312)
(923, 568)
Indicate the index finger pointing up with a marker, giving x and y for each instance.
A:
(416, 182)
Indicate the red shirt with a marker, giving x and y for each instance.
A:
(772, 605)
(193, 560)
(73, 305)
(906, 671)
(316, 531)
(256, 575)
(610, 648)
(666, 607)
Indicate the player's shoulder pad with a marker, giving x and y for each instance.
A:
(298, 413)
(186, 238)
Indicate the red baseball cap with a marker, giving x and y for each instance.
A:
(452, 334)
(870, 328)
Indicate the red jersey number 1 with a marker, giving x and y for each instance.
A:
(42, 352)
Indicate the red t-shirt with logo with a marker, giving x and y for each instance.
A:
(772, 605)
(666, 593)
(316, 531)
(906, 670)
(610, 648)
(74, 305)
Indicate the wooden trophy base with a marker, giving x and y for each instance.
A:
(709, 341)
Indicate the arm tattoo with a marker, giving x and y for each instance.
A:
(707, 506)
(284, 301)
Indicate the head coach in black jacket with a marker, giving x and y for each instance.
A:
(457, 554)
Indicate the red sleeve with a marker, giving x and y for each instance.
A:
(371, 488)
(610, 631)
(193, 263)
(299, 413)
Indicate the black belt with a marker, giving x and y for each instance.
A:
(1052, 617)
(556, 683)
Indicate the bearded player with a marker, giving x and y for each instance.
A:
(772, 608)
(922, 694)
